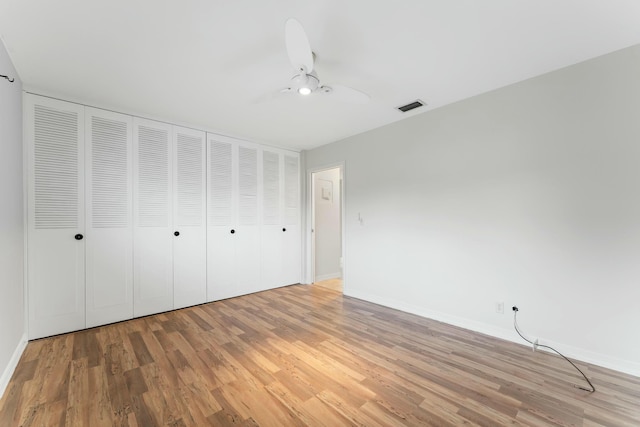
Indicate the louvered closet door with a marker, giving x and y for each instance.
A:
(189, 204)
(221, 224)
(271, 234)
(291, 257)
(248, 230)
(153, 225)
(54, 134)
(109, 250)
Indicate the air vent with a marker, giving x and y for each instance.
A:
(411, 106)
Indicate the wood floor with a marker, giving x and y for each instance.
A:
(333, 284)
(302, 355)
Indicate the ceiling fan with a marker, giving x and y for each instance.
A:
(306, 81)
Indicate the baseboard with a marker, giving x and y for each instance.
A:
(576, 353)
(605, 361)
(329, 276)
(13, 363)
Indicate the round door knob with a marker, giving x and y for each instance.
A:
(284, 229)
(176, 233)
(233, 231)
(79, 236)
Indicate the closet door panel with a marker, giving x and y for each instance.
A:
(109, 277)
(291, 259)
(247, 262)
(55, 216)
(221, 264)
(56, 284)
(248, 235)
(153, 272)
(153, 231)
(292, 247)
(221, 225)
(189, 204)
(109, 250)
(271, 256)
(271, 233)
(189, 268)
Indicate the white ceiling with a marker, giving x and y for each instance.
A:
(211, 63)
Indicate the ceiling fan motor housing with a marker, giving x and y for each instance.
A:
(309, 81)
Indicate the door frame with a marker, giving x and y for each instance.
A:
(310, 212)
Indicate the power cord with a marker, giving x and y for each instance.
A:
(536, 345)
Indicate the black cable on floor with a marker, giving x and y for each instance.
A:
(535, 345)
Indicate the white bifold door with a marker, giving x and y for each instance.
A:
(189, 216)
(153, 217)
(109, 239)
(169, 217)
(54, 136)
(292, 245)
(280, 244)
(233, 228)
(272, 228)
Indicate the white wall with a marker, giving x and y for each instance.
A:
(527, 195)
(328, 233)
(12, 325)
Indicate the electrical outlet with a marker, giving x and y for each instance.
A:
(500, 307)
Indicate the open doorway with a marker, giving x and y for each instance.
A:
(326, 229)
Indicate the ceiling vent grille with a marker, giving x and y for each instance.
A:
(411, 106)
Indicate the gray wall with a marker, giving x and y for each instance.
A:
(527, 195)
(12, 308)
(328, 233)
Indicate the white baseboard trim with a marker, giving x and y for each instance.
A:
(328, 276)
(13, 363)
(576, 353)
(603, 360)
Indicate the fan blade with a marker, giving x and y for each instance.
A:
(298, 47)
(273, 96)
(348, 94)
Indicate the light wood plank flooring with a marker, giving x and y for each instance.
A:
(333, 284)
(302, 355)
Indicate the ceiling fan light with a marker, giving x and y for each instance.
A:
(305, 84)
